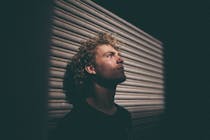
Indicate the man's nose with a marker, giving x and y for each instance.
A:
(120, 60)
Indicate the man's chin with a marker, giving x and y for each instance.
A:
(121, 79)
(110, 81)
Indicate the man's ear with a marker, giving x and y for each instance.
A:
(90, 69)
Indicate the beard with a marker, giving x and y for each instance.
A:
(118, 80)
(110, 81)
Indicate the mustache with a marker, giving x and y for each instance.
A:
(121, 67)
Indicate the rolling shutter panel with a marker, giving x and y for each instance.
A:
(143, 91)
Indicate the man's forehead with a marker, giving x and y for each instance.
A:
(105, 48)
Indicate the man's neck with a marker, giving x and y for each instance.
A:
(103, 99)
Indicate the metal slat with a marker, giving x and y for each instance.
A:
(66, 35)
(143, 108)
(59, 106)
(98, 21)
(73, 27)
(127, 89)
(119, 38)
(150, 57)
(135, 69)
(144, 84)
(56, 95)
(128, 26)
(145, 62)
(64, 44)
(97, 13)
(129, 33)
(125, 54)
(143, 77)
(69, 17)
(140, 102)
(93, 27)
(139, 95)
(58, 63)
(140, 85)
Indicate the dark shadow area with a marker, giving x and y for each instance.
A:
(27, 34)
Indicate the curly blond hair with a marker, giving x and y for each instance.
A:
(77, 83)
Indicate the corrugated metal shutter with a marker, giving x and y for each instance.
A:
(143, 91)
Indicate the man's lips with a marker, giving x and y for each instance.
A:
(120, 68)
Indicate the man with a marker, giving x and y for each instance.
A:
(90, 84)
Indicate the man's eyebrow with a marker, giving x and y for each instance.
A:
(112, 52)
(109, 52)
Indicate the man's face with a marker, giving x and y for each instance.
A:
(109, 64)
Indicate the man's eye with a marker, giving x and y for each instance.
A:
(110, 55)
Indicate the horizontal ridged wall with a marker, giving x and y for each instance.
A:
(143, 91)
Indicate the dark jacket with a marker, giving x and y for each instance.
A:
(87, 123)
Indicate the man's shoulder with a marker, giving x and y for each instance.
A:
(70, 119)
(72, 115)
(70, 123)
